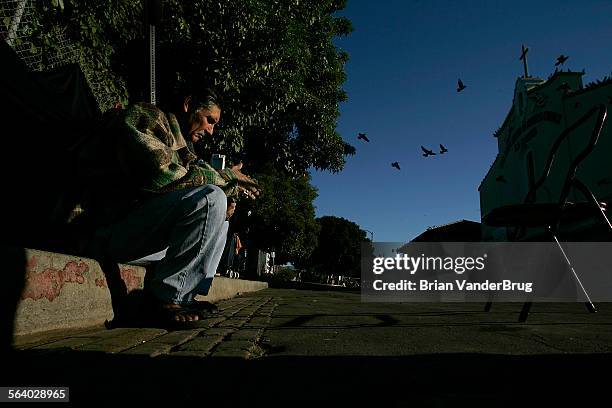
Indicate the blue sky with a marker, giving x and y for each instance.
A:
(406, 57)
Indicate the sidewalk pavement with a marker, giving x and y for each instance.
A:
(297, 347)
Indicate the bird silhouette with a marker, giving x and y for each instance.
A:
(427, 152)
(460, 86)
(443, 149)
(561, 60)
(362, 136)
(396, 165)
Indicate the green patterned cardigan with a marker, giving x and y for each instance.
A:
(139, 152)
(153, 141)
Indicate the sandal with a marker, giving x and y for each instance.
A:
(176, 317)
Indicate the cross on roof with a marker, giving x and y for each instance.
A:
(524, 51)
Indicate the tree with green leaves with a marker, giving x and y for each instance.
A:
(274, 64)
(283, 218)
(277, 69)
(280, 77)
(338, 251)
(91, 33)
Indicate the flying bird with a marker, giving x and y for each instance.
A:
(427, 152)
(396, 165)
(362, 136)
(443, 149)
(561, 60)
(460, 86)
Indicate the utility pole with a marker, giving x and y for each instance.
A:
(153, 13)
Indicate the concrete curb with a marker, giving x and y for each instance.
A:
(64, 291)
(225, 288)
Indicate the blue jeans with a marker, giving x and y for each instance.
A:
(190, 223)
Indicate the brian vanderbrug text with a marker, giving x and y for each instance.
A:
(424, 285)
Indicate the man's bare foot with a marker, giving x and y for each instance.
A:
(180, 314)
(172, 316)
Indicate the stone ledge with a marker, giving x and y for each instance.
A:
(65, 291)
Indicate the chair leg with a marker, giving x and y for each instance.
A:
(589, 195)
(590, 305)
(524, 312)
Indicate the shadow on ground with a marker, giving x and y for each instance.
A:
(420, 380)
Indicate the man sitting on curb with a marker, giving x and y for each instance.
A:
(148, 194)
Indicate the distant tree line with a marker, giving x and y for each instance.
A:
(339, 249)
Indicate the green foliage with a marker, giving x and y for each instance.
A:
(58, 4)
(277, 69)
(284, 274)
(280, 78)
(283, 218)
(338, 251)
(88, 32)
(274, 64)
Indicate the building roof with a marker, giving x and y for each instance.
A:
(456, 231)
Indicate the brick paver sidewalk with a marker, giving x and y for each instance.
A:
(233, 332)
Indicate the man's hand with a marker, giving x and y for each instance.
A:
(246, 184)
(231, 208)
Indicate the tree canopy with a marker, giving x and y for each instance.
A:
(273, 62)
(338, 251)
(277, 69)
(283, 218)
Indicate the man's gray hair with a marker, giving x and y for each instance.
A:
(204, 99)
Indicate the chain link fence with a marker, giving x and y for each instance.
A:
(16, 26)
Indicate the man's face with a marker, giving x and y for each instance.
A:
(203, 122)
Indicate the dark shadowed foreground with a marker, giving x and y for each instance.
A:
(292, 347)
